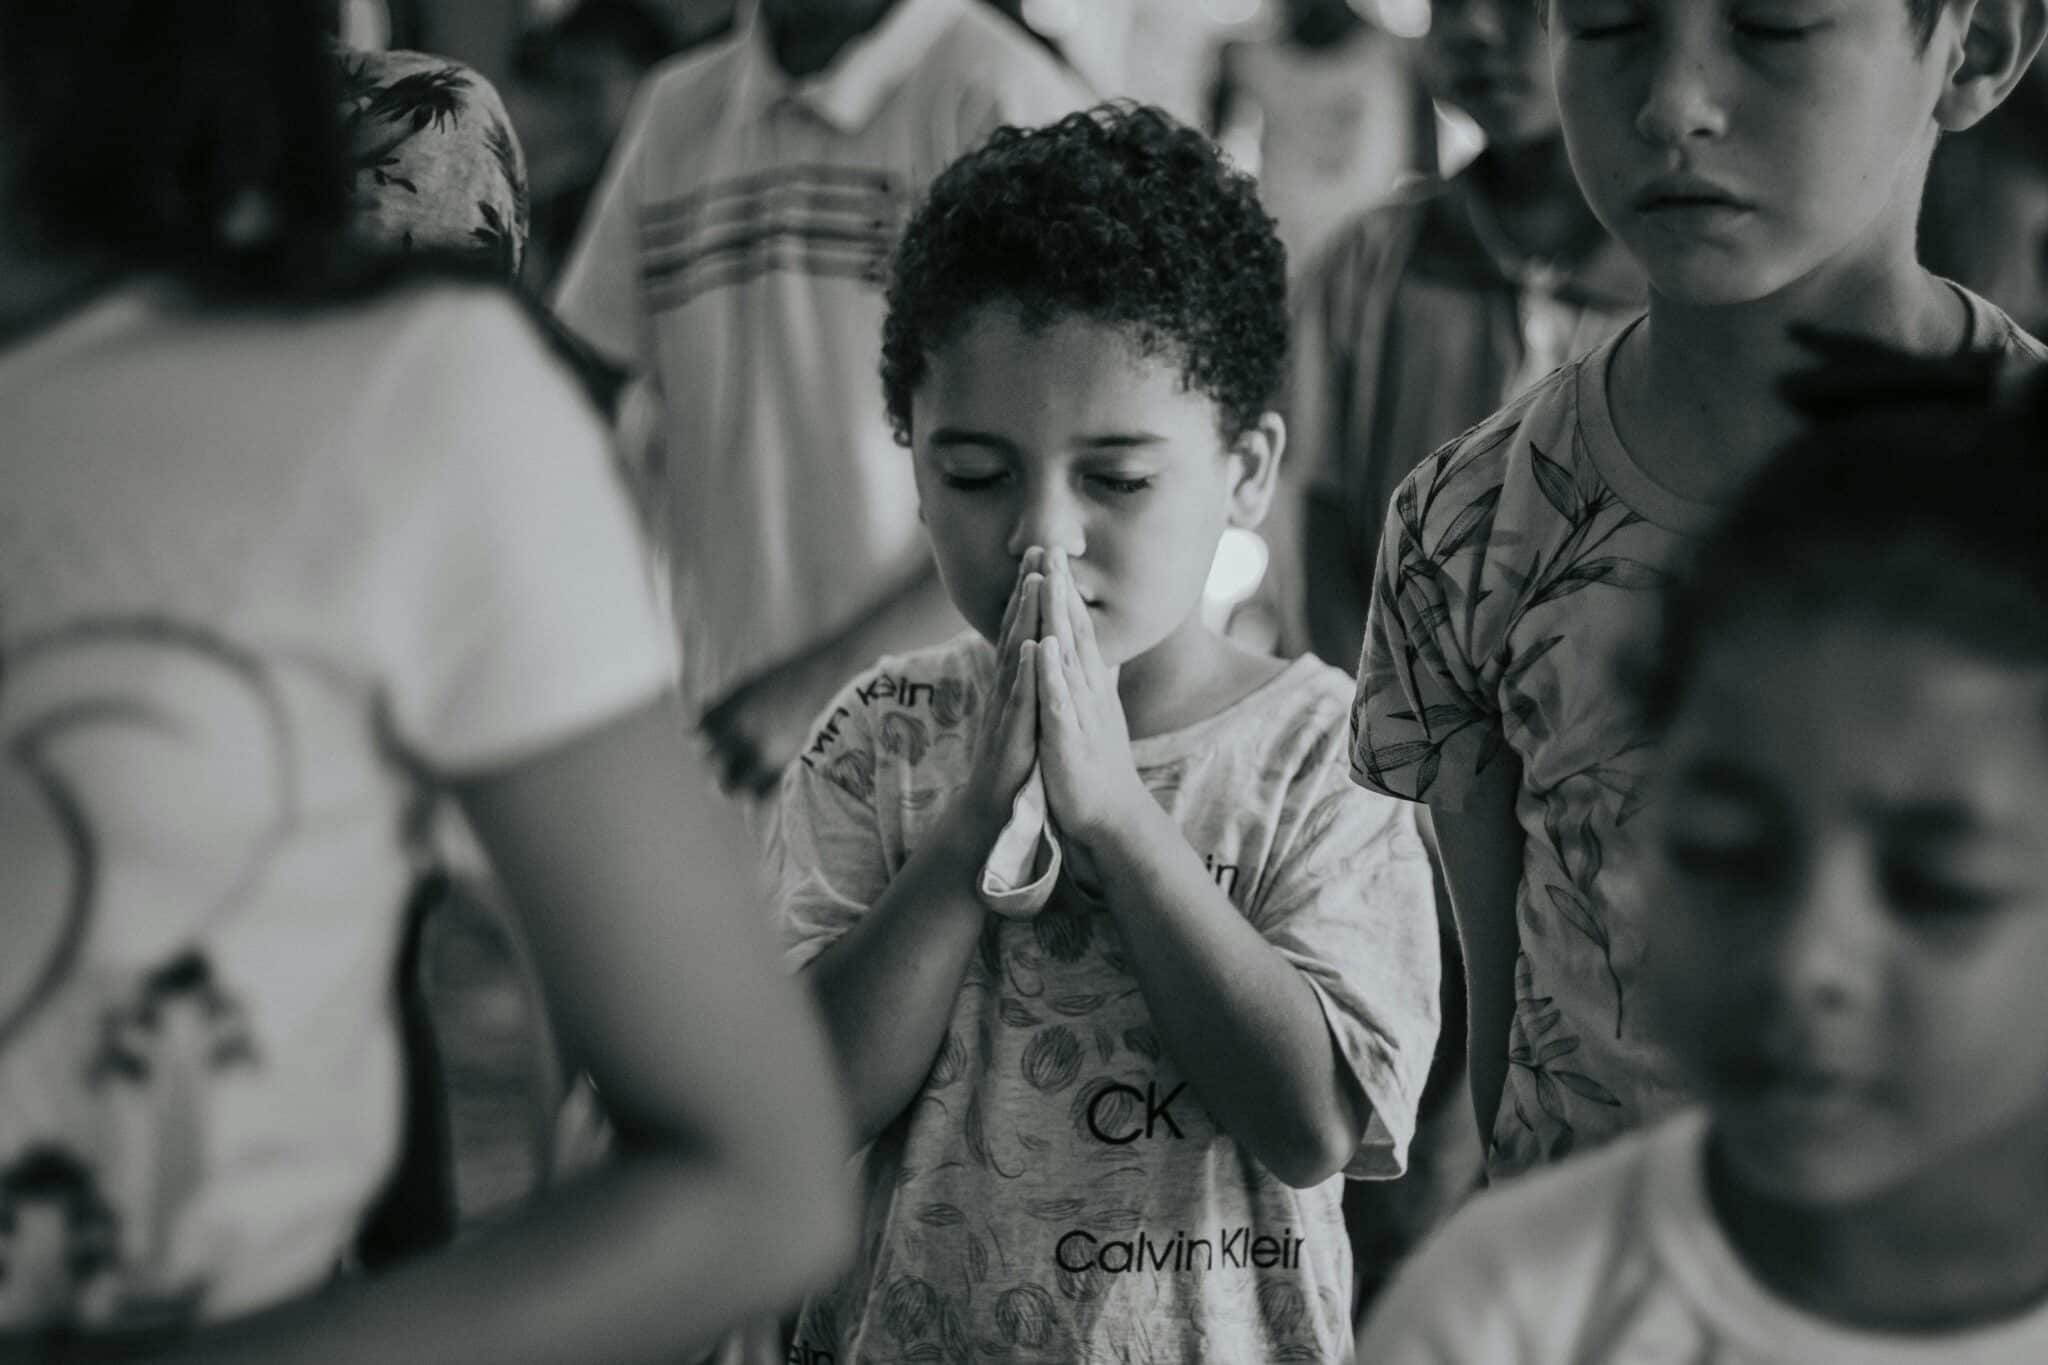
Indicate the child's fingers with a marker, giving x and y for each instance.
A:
(1020, 624)
(1060, 595)
(1031, 615)
(1020, 726)
(1010, 610)
(1056, 696)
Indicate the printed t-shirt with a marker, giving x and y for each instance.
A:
(1056, 1191)
(436, 162)
(735, 255)
(1518, 580)
(259, 576)
(1618, 1258)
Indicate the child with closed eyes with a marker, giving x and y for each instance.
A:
(1848, 845)
(1125, 976)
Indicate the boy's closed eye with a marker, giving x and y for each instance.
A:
(1786, 21)
(1597, 19)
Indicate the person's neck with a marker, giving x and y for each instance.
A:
(1186, 678)
(806, 48)
(1965, 1245)
(1694, 390)
(1535, 202)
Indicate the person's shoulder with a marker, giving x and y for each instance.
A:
(2025, 353)
(985, 51)
(1531, 1227)
(680, 93)
(1486, 453)
(472, 323)
(1519, 1267)
(948, 677)
(1310, 695)
(380, 315)
(1295, 726)
(1366, 235)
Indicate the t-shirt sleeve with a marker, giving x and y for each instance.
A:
(1013, 89)
(826, 859)
(1423, 725)
(1447, 1306)
(598, 296)
(511, 600)
(1352, 907)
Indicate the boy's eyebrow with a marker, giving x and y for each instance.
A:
(1930, 821)
(1122, 440)
(946, 437)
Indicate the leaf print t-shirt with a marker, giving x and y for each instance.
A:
(1518, 576)
(1056, 1191)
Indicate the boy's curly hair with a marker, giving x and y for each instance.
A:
(1119, 215)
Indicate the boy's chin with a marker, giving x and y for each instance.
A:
(1810, 1173)
(1706, 283)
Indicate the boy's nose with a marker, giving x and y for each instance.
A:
(1828, 950)
(1681, 104)
(1049, 518)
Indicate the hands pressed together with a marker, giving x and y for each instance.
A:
(1054, 703)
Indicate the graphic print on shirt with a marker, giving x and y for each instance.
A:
(1056, 1191)
(116, 735)
(820, 219)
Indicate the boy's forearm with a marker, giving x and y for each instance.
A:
(622, 1254)
(888, 987)
(1239, 1020)
(1481, 849)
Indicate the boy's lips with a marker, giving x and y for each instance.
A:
(1688, 193)
(1794, 1080)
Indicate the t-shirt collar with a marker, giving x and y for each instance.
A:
(849, 92)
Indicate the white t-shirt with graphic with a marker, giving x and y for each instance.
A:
(1616, 1258)
(1056, 1191)
(260, 575)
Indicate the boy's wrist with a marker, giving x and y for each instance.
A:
(968, 830)
(1122, 826)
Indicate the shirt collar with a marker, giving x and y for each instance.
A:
(849, 92)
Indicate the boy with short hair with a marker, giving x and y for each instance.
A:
(1428, 312)
(1764, 163)
(1111, 1124)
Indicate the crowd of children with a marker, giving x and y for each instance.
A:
(1705, 674)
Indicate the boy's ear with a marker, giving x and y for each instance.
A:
(1998, 46)
(1256, 456)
